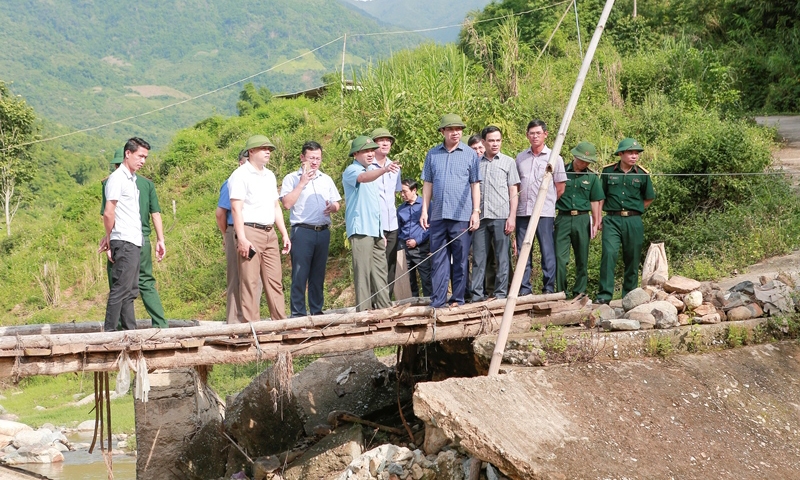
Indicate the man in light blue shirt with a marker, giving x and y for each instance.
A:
(311, 197)
(363, 222)
(451, 173)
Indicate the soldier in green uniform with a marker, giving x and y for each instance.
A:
(148, 205)
(629, 191)
(580, 203)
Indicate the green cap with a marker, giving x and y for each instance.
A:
(258, 141)
(585, 151)
(628, 144)
(362, 142)
(451, 120)
(382, 133)
(119, 156)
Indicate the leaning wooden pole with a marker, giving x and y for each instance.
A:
(511, 302)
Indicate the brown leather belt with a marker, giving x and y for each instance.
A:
(573, 213)
(259, 226)
(624, 213)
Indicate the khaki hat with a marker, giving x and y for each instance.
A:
(360, 143)
(451, 120)
(629, 144)
(258, 141)
(382, 133)
(119, 156)
(585, 151)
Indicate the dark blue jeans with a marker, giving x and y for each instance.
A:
(124, 286)
(546, 237)
(309, 258)
(442, 232)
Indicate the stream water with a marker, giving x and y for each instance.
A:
(82, 465)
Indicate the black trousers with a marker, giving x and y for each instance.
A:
(124, 286)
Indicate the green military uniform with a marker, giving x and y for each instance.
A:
(148, 204)
(573, 224)
(622, 225)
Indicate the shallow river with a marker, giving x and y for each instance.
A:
(84, 466)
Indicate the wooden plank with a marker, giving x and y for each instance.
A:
(192, 342)
(302, 335)
(37, 352)
(68, 349)
(270, 338)
(419, 321)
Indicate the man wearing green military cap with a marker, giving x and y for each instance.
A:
(363, 224)
(388, 186)
(257, 213)
(629, 191)
(148, 207)
(577, 207)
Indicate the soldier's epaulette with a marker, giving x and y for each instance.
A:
(104, 180)
(643, 169)
(609, 165)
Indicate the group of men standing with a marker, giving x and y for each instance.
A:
(473, 197)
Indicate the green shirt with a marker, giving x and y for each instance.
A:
(148, 201)
(626, 191)
(580, 190)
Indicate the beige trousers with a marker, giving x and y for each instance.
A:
(264, 268)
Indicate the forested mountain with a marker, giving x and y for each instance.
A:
(86, 63)
(421, 14)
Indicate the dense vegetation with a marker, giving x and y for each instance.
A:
(680, 99)
(76, 62)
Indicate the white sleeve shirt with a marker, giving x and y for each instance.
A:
(121, 186)
(258, 191)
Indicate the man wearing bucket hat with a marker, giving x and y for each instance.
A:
(574, 225)
(363, 224)
(629, 191)
(388, 186)
(256, 214)
(451, 200)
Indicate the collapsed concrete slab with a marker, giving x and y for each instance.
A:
(723, 414)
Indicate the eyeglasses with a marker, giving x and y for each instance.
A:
(536, 134)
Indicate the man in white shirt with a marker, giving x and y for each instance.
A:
(311, 197)
(123, 226)
(388, 186)
(256, 213)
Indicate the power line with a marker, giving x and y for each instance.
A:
(224, 87)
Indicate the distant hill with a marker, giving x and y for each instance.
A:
(82, 63)
(418, 14)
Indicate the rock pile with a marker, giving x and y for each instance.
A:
(23, 444)
(390, 462)
(684, 301)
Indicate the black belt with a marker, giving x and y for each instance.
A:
(230, 224)
(316, 228)
(573, 213)
(259, 226)
(624, 213)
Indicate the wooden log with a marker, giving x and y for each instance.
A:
(212, 354)
(564, 318)
(81, 327)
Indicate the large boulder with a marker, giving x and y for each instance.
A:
(693, 299)
(38, 454)
(200, 459)
(665, 313)
(521, 349)
(634, 298)
(646, 320)
(679, 284)
(620, 325)
(12, 428)
(775, 296)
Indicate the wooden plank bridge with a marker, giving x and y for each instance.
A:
(83, 347)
